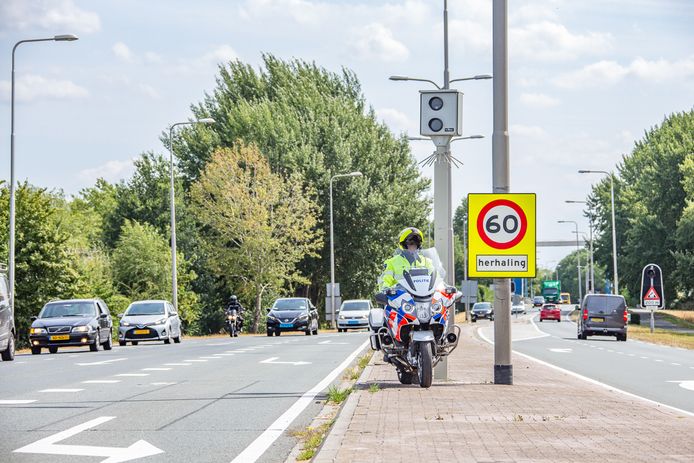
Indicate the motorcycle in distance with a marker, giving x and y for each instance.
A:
(412, 329)
(232, 323)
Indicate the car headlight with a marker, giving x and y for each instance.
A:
(271, 317)
(303, 317)
(341, 317)
(124, 323)
(81, 329)
(37, 331)
(230, 317)
(409, 308)
(159, 322)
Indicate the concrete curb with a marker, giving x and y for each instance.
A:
(327, 452)
(329, 411)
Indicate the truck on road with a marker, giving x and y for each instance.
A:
(551, 290)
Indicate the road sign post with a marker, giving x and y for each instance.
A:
(652, 294)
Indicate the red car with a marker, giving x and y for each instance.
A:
(550, 312)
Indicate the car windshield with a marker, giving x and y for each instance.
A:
(355, 305)
(539, 299)
(551, 291)
(550, 307)
(482, 305)
(290, 304)
(145, 308)
(68, 309)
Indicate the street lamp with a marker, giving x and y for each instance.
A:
(614, 230)
(578, 258)
(332, 245)
(174, 271)
(592, 264)
(11, 269)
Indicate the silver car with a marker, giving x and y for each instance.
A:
(155, 320)
(354, 314)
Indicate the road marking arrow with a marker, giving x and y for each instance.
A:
(272, 360)
(104, 362)
(688, 384)
(139, 449)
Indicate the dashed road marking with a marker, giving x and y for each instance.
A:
(62, 390)
(156, 369)
(135, 375)
(16, 402)
(101, 381)
(177, 364)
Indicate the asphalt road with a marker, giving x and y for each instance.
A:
(658, 373)
(204, 400)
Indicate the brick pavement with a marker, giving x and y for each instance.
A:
(546, 416)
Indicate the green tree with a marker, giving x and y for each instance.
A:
(258, 225)
(568, 274)
(309, 121)
(43, 262)
(650, 200)
(142, 269)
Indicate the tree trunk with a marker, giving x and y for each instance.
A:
(256, 312)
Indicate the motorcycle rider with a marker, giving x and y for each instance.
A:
(234, 304)
(405, 258)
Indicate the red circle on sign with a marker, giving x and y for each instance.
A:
(488, 240)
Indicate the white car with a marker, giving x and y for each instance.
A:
(518, 308)
(155, 320)
(354, 314)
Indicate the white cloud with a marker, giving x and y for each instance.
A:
(32, 87)
(471, 34)
(529, 131)
(376, 42)
(220, 54)
(538, 100)
(122, 51)
(149, 91)
(551, 41)
(301, 11)
(396, 120)
(153, 58)
(111, 171)
(48, 14)
(605, 73)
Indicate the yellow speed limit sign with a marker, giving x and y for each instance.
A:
(501, 231)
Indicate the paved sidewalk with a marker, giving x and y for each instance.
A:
(546, 416)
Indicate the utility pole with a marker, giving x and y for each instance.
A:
(501, 178)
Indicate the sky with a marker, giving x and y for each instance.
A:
(586, 80)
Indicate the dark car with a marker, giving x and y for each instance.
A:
(292, 314)
(538, 301)
(603, 314)
(75, 322)
(7, 329)
(482, 310)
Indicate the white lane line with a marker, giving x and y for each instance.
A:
(676, 364)
(645, 358)
(657, 360)
(632, 355)
(209, 357)
(156, 369)
(685, 384)
(177, 364)
(61, 390)
(256, 449)
(131, 375)
(226, 354)
(103, 362)
(16, 402)
(162, 384)
(102, 381)
(195, 360)
(591, 380)
(47, 359)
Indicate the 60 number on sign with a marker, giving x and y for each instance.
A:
(502, 224)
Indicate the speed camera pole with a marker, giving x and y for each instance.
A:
(503, 369)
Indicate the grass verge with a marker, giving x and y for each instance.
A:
(337, 395)
(659, 336)
(312, 439)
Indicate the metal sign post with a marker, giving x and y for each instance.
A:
(652, 294)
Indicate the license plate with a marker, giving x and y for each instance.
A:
(597, 320)
(60, 337)
(353, 322)
(141, 331)
(286, 325)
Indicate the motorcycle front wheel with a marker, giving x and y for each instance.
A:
(425, 369)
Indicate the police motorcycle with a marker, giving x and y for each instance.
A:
(413, 329)
(232, 322)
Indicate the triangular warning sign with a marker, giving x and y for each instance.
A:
(651, 295)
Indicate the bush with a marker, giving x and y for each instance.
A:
(635, 319)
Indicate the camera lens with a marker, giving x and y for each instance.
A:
(436, 125)
(436, 103)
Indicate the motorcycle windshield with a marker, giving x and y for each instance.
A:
(425, 273)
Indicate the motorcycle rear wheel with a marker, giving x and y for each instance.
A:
(425, 369)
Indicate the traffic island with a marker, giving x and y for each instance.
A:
(546, 416)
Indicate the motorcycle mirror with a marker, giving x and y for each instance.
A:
(450, 290)
(268, 309)
(381, 298)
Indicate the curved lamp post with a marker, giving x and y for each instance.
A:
(174, 271)
(11, 267)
